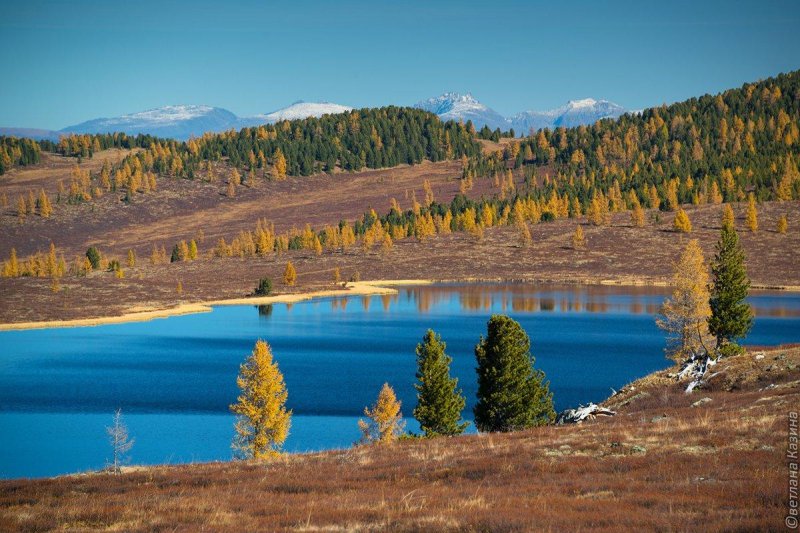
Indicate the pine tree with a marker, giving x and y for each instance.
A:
(682, 223)
(684, 315)
(439, 402)
(263, 421)
(512, 395)
(289, 274)
(93, 255)
(751, 219)
(578, 239)
(384, 421)
(731, 317)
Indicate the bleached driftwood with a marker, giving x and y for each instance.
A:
(581, 413)
(695, 369)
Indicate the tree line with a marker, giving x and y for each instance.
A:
(512, 394)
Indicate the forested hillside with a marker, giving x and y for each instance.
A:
(707, 149)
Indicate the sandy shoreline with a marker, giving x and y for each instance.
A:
(361, 288)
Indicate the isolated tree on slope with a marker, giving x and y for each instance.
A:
(263, 421)
(684, 315)
(439, 402)
(731, 317)
(120, 442)
(384, 421)
(512, 395)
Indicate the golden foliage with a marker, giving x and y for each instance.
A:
(682, 224)
(783, 224)
(289, 274)
(578, 239)
(751, 218)
(684, 315)
(263, 421)
(384, 421)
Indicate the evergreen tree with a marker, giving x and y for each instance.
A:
(93, 255)
(512, 395)
(731, 317)
(263, 421)
(439, 402)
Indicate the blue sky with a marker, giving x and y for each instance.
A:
(68, 61)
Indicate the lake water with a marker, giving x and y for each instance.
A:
(175, 378)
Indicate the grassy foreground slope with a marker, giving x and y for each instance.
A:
(713, 460)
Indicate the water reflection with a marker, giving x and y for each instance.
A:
(548, 298)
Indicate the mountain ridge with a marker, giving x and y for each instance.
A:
(182, 121)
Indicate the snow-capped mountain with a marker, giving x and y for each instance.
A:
(454, 106)
(184, 121)
(301, 109)
(175, 121)
(575, 113)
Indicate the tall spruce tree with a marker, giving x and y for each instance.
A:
(512, 395)
(731, 317)
(439, 402)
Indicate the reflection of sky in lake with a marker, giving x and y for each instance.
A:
(175, 378)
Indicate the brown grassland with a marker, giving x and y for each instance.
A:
(183, 209)
(714, 460)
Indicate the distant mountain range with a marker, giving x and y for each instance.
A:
(184, 121)
(574, 113)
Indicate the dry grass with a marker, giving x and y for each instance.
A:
(661, 464)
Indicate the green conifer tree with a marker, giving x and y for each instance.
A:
(439, 402)
(512, 395)
(731, 317)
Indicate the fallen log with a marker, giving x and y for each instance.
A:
(581, 413)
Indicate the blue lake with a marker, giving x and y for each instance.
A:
(175, 378)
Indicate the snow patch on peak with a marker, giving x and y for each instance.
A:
(170, 113)
(586, 102)
(301, 110)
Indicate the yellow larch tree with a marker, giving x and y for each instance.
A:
(578, 239)
(751, 218)
(131, 258)
(263, 421)
(783, 224)
(684, 315)
(289, 274)
(727, 216)
(682, 224)
(279, 164)
(384, 421)
(43, 203)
